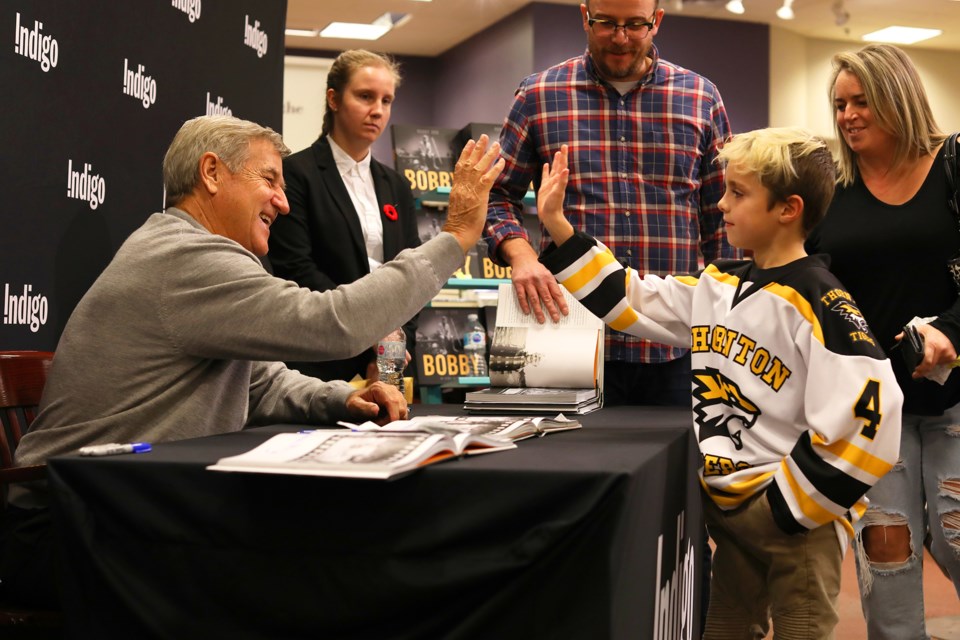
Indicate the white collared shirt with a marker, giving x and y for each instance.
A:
(358, 179)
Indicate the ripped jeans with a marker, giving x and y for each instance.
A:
(923, 491)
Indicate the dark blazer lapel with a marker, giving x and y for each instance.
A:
(330, 175)
(392, 229)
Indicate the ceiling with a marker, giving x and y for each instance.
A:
(437, 26)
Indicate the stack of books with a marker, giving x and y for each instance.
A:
(533, 400)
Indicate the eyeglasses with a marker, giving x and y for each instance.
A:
(607, 28)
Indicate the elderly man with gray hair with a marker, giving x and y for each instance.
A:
(184, 333)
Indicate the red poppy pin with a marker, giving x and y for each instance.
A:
(390, 211)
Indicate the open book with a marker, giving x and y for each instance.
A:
(507, 428)
(555, 366)
(356, 454)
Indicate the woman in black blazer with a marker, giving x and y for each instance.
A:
(348, 212)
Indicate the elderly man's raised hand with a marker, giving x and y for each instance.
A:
(477, 168)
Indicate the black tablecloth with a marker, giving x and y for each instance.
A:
(580, 534)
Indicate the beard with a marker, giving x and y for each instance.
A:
(630, 69)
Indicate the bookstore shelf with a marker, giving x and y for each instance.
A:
(440, 198)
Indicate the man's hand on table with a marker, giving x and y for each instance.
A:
(379, 402)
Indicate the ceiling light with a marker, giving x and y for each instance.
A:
(901, 35)
(305, 33)
(786, 11)
(362, 31)
(735, 6)
(354, 30)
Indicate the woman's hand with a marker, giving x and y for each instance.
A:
(937, 349)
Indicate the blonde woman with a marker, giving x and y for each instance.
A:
(889, 233)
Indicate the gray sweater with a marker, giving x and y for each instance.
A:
(182, 334)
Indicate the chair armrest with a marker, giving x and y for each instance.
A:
(23, 474)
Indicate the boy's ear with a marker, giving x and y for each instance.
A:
(792, 210)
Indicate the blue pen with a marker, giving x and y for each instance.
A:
(114, 448)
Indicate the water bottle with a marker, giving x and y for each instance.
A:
(391, 358)
(475, 345)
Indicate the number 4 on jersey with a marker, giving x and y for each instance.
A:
(867, 409)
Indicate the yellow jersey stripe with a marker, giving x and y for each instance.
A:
(799, 303)
(624, 320)
(588, 272)
(807, 505)
(856, 456)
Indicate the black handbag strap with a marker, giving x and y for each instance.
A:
(950, 166)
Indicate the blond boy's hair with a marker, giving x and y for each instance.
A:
(787, 161)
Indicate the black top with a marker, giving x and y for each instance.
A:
(320, 245)
(892, 259)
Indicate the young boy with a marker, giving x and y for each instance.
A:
(795, 406)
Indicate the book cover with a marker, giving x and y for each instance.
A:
(522, 395)
(424, 156)
(440, 353)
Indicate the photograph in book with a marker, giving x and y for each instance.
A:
(528, 357)
(565, 354)
(353, 454)
(509, 428)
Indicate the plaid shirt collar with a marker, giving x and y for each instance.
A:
(592, 74)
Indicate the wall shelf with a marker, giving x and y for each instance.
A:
(440, 198)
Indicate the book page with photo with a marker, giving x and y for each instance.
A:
(564, 354)
(549, 366)
(356, 454)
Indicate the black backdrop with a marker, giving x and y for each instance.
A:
(65, 71)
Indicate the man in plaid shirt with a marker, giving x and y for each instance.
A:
(643, 134)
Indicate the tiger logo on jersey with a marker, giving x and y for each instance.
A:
(718, 402)
(849, 312)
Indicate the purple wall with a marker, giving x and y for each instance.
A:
(740, 69)
(475, 81)
(558, 34)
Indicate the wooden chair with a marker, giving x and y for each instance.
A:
(22, 377)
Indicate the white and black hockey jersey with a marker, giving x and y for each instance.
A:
(791, 393)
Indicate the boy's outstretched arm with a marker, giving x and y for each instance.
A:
(550, 198)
